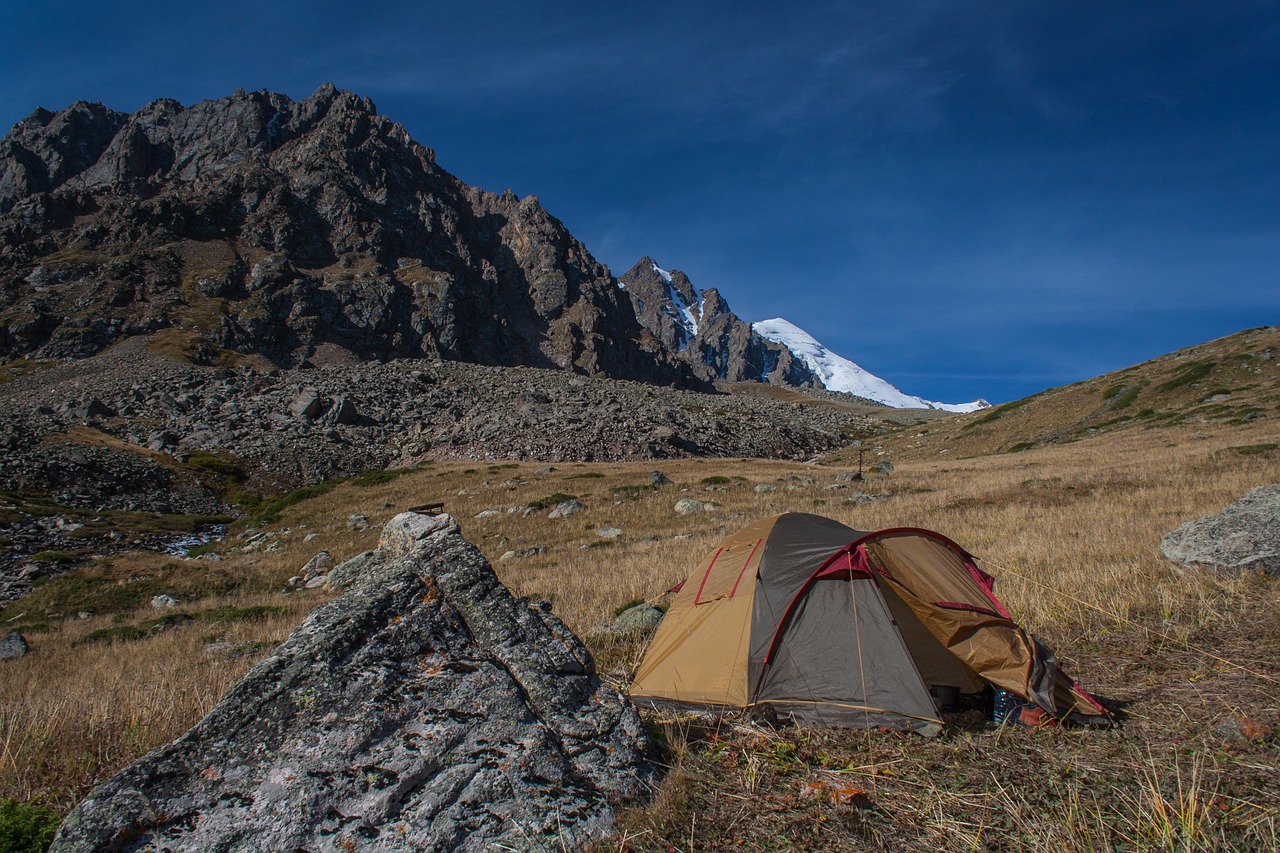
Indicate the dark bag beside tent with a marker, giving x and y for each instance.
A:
(835, 626)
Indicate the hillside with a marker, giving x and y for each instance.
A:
(1070, 531)
(1233, 380)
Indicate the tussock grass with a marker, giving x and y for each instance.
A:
(1070, 531)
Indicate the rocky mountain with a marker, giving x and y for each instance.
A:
(310, 230)
(717, 345)
(700, 328)
(836, 373)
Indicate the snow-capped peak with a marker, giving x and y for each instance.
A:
(839, 374)
(666, 276)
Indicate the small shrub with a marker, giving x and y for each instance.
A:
(54, 557)
(1190, 374)
(26, 827)
(376, 478)
(216, 464)
(716, 480)
(268, 512)
(128, 633)
(586, 475)
(551, 500)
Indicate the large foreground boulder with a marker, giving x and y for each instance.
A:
(425, 708)
(1245, 535)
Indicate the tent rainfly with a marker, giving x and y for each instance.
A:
(834, 626)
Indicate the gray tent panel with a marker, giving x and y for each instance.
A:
(839, 660)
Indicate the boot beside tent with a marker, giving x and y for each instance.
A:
(835, 626)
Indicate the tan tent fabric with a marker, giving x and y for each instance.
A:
(837, 626)
(699, 653)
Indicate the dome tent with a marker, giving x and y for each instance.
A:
(835, 626)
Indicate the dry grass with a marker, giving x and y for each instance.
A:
(1070, 531)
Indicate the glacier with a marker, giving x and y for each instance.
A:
(840, 374)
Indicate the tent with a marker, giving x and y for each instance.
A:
(835, 626)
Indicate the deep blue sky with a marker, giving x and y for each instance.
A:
(966, 198)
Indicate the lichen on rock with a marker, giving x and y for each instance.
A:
(424, 708)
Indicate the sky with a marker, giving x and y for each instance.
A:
(968, 199)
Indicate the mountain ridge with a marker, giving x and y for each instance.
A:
(318, 230)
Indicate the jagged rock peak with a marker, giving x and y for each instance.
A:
(266, 225)
(704, 332)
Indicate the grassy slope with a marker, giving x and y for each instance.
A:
(1071, 531)
(1223, 381)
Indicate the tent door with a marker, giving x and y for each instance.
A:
(840, 660)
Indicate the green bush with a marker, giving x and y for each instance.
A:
(552, 500)
(377, 478)
(268, 512)
(26, 827)
(54, 557)
(717, 480)
(216, 464)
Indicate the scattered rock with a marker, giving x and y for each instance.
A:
(566, 509)
(320, 564)
(608, 532)
(884, 466)
(343, 411)
(357, 521)
(688, 506)
(440, 713)
(13, 645)
(766, 487)
(351, 569)
(308, 404)
(1242, 536)
(639, 620)
(657, 478)
(316, 582)
(1242, 728)
(163, 600)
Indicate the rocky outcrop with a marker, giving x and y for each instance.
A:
(256, 224)
(423, 709)
(705, 334)
(1241, 537)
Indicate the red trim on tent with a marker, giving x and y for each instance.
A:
(988, 586)
(972, 608)
(698, 598)
(830, 567)
(743, 570)
(1085, 693)
(677, 587)
(984, 580)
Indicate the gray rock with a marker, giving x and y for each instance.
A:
(688, 506)
(765, 487)
(163, 600)
(318, 565)
(350, 570)
(13, 645)
(1242, 536)
(316, 582)
(657, 478)
(608, 532)
(641, 619)
(308, 404)
(423, 709)
(884, 466)
(343, 411)
(357, 521)
(566, 509)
